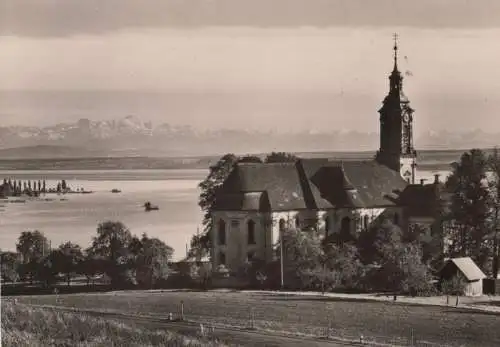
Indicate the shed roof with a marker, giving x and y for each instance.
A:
(468, 268)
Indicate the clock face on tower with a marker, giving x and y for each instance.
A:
(406, 117)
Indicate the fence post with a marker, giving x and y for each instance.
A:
(412, 337)
(182, 310)
(252, 317)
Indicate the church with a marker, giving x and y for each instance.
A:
(260, 200)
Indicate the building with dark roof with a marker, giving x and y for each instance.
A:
(258, 200)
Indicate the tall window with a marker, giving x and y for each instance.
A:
(222, 258)
(297, 222)
(222, 232)
(366, 221)
(282, 224)
(327, 225)
(251, 232)
(345, 228)
(396, 219)
(250, 256)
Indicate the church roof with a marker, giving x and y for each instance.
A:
(308, 184)
(423, 200)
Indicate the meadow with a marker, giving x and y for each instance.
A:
(23, 325)
(341, 318)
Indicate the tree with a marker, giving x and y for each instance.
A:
(201, 273)
(210, 186)
(152, 257)
(430, 241)
(280, 157)
(494, 186)
(112, 246)
(302, 259)
(396, 259)
(343, 266)
(454, 286)
(33, 247)
(470, 207)
(67, 259)
(378, 240)
(9, 266)
(91, 265)
(250, 159)
(46, 270)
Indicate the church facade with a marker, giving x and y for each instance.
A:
(258, 201)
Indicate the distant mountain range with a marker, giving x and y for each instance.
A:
(130, 136)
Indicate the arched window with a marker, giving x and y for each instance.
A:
(282, 224)
(251, 232)
(222, 232)
(222, 258)
(345, 228)
(366, 221)
(396, 219)
(250, 256)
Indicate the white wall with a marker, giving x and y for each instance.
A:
(267, 231)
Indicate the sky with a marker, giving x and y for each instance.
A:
(260, 64)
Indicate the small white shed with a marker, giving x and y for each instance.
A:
(468, 270)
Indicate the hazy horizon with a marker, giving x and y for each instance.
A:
(278, 65)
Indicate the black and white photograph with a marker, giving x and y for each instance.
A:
(250, 173)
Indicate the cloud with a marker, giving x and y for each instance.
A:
(58, 18)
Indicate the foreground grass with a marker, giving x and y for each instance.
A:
(27, 326)
(387, 322)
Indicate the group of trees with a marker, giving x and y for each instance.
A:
(381, 257)
(472, 224)
(125, 258)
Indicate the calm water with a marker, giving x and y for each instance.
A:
(174, 191)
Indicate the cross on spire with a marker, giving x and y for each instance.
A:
(395, 37)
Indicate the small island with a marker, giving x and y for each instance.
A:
(35, 188)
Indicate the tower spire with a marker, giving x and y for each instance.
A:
(395, 37)
(396, 126)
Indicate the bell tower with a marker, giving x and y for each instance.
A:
(396, 127)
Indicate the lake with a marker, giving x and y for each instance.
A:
(76, 219)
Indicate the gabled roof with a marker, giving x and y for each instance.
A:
(423, 200)
(309, 184)
(280, 181)
(468, 268)
(352, 183)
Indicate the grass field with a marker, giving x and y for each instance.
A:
(27, 326)
(377, 321)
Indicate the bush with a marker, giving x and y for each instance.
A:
(453, 286)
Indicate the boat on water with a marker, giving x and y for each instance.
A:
(115, 190)
(150, 207)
